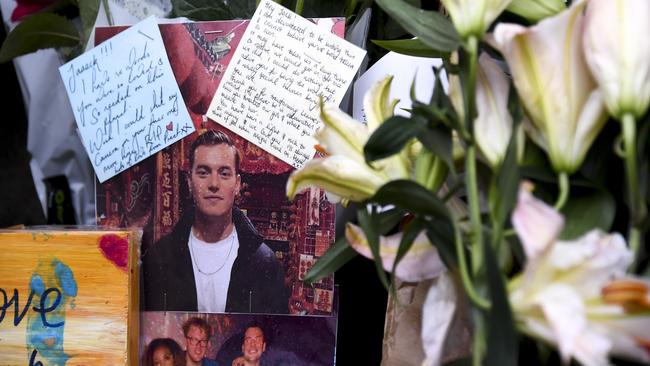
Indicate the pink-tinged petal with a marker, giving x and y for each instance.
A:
(591, 261)
(536, 223)
(564, 310)
(437, 314)
(420, 262)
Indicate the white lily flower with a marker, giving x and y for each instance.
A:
(473, 17)
(618, 53)
(421, 262)
(344, 171)
(536, 10)
(575, 294)
(554, 84)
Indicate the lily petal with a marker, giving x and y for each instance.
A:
(336, 174)
(420, 262)
(493, 124)
(341, 135)
(555, 84)
(437, 315)
(536, 223)
(617, 54)
(473, 17)
(535, 10)
(376, 103)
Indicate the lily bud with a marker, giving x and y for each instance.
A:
(473, 17)
(493, 123)
(555, 86)
(536, 10)
(618, 53)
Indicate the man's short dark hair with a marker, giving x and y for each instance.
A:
(254, 325)
(199, 323)
(213, 138)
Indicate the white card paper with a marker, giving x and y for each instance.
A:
(125, 99)
(270, 92)
(405, 70)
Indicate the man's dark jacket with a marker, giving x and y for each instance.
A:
(256, 279)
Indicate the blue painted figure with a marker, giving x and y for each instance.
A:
(54, 288)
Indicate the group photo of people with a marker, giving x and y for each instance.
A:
(210, 339)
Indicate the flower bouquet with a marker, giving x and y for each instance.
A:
(523, 189)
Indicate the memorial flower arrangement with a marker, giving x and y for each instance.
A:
(523, 189)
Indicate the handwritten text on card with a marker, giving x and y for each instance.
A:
(271, 89)
(125, 99)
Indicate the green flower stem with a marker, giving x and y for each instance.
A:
(109, 16)
(563, 185)
(471, 184)
(497, 236)
(637, 207)
(470, 94)
(478, 344)
(299, 4)
(474, 209)
(464, 274)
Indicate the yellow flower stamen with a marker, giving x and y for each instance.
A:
(321, 150)
(632, 295)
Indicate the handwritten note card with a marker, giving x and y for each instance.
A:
(125, 99)
(270, 91)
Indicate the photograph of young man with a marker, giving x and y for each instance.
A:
(214, 260)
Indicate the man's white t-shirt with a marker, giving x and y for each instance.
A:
(215, 262)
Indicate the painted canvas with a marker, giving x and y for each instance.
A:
(158, 196)
(69, 297)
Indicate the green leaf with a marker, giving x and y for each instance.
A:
(433, 29)
(440, 108)
(61, 7)
(390, 137)
(410, 233)
(335, 257)
(412, 197)
(584, 212)
(369, 222)
(437, 139)
(88, 10)
(410, 47)
(459, 362)
(204, 10)
(319, 8)
(441, 234)
(36, 32)
(502, 343)
(388, 219)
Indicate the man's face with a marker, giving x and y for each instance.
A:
(254, 344)
(197, 343)
(214, 182)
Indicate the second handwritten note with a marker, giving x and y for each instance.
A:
(271, 89)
